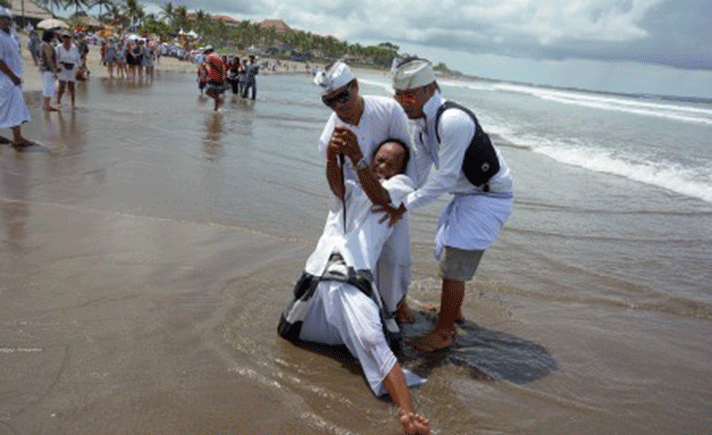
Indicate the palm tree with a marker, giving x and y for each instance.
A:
(101, 4)
(134, 11)
(51, 4)
(168, 13)
(180, 17)
(77, 4)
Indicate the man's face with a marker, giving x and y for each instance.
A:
(388, 161)
(412, 100)
(343, 100)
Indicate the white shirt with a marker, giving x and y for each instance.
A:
(68, 55)
(361, 242)
(456, 131)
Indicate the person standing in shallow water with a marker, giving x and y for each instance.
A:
(251, 70)
(48, 69)
(13, 110)
(473, 218)
(68, 59)
(216, 76)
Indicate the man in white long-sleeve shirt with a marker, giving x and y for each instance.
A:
(366, 121)
(478, 209)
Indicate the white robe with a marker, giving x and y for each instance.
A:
(13, 110)
(340, 313)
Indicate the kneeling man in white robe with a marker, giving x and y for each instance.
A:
(336, 301)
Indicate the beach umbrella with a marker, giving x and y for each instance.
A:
(52, 23)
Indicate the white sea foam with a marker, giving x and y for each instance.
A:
(688, 181)
(673, 111)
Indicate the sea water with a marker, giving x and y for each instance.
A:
(150, 246)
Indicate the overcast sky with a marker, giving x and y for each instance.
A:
(669, 32)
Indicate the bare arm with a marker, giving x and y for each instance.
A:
(411, 422)
(333, 170)
(8, 72)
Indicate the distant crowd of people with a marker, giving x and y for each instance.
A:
(216, 74)
(130, 57)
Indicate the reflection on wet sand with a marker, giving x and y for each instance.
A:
(15, 188)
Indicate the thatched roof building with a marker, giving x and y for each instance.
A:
(26, 11)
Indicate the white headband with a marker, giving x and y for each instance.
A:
(411, 73)
(5, 12)
(335, 77)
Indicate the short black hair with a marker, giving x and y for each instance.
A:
(48, 35)
(406, 156)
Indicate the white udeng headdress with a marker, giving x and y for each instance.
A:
(5, 12)
(338, 75)
(411, 73)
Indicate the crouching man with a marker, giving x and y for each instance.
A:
(335, 301)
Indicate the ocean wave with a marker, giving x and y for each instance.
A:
(695, 182)
(629, 104)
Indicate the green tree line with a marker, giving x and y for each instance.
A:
(131, 14)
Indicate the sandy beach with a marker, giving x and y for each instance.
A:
(148, 245)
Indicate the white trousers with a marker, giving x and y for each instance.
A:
(47, 84)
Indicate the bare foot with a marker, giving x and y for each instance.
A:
(436, 340)
(414, 424)
(50, 109)
(22, 143)
(404, 314)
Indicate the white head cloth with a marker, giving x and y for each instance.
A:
(338, 75)
(5, 12)
(411, 73)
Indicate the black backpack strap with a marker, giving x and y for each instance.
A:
(480, 162)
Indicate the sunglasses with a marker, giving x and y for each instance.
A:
(341, 97)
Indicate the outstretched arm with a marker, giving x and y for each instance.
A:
(412, 422)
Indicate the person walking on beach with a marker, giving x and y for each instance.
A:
(69, 59)
(148, 58)
(83, 48)
(470, 168)
(366, 121)
(48, 68)
(33, 45)
(13, 110)
(336, 301)
(121, 60)
(251, 70)
(216, 76)
(110, 57)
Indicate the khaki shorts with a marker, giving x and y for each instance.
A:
(459, 264)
